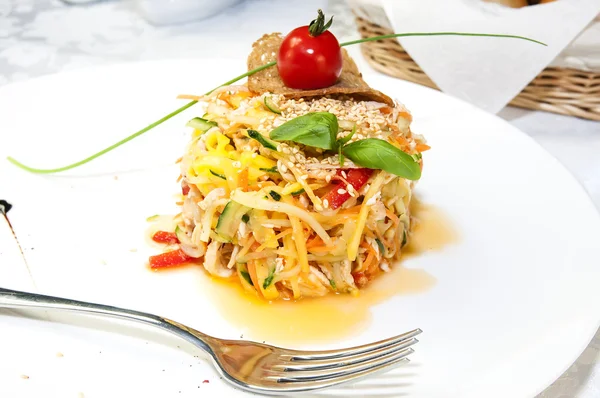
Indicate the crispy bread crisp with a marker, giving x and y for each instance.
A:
(350, 83)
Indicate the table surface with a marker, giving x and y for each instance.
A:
(39, 37)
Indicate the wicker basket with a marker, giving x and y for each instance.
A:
(566, 91)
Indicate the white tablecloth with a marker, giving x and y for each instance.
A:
(38, 37)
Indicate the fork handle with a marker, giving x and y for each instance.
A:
(17, 299)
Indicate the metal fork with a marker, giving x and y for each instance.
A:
(254, 367)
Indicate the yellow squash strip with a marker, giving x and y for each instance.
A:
(295, 287)
(256, 200)
(362, 217)
(300, 242)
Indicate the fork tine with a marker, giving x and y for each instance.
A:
(338, 364)
(345, 352)
(318, 374)
(304, 384)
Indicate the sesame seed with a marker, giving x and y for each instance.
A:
(325, 203)
(328, 177)
(341, 191)
(344, 174)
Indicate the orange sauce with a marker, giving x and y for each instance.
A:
(325, 319)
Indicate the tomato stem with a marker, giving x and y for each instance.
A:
(318, 26)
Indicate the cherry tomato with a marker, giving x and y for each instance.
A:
(310, 57)
(355, 177)
(165, 237)
(185, 189)
(170, 259)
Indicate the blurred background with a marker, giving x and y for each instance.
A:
(554, 91)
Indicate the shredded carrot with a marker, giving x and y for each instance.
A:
(179, 203)
(350, 210)
(179, 178)
(367, 262)
(179, 160)
(246, 245)
(284, 233)
(391, 216)
(314, 242)
(253, 276)
(401, 140)
(405, 115)
(370, 257)
(189, 97)
(386, 110)
(243, 179)
(422, 147)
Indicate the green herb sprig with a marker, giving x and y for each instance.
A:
(240, 77)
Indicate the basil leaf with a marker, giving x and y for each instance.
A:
(374, 153)
(316, 129)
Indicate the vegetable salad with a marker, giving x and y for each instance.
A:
(294, 198)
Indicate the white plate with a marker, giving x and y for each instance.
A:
(512, 308)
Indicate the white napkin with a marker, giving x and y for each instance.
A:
(488, 72)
